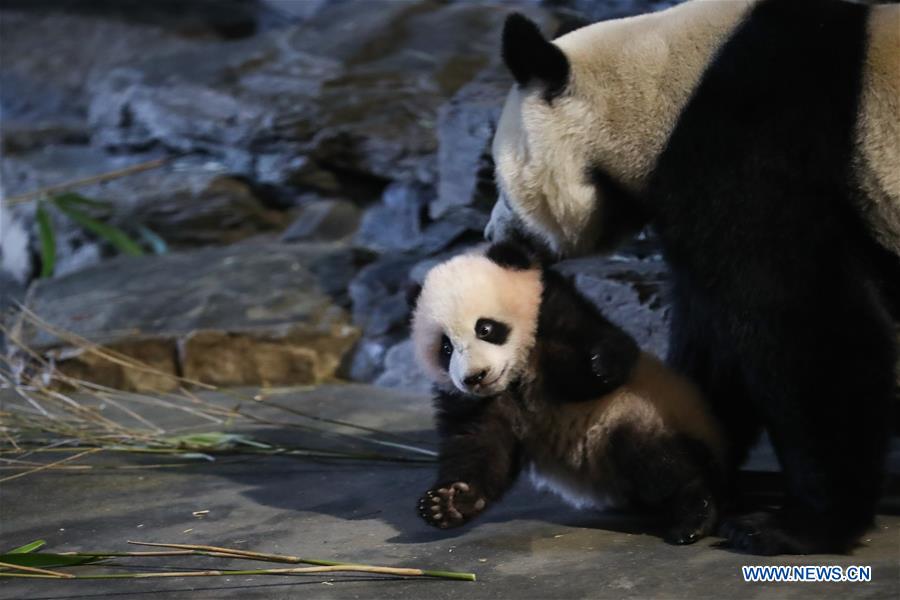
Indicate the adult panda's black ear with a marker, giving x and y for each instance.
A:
(520, 250)
(413, 291)
(531, 57)
(511, 255)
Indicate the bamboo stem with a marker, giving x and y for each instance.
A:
(50, 465)
(244, 553)
(402, 572)
(107, 176)
(237, 553)
(54, 574)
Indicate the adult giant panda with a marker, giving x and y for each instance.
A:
(761, 139)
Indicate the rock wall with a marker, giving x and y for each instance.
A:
(321, 156)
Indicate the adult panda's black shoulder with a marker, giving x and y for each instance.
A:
(761, 140)
(529, 374)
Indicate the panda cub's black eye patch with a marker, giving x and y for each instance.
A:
(491, 331)
(446, 352)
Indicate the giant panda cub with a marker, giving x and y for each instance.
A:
(528, 374)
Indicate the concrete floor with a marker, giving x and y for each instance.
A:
(531, 546)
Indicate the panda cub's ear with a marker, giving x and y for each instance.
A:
(531, 57)
(511, 255)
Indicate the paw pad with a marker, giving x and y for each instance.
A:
(450, 505)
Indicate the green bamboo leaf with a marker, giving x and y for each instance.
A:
(46, 560)
(213, 439)
(27, 547)
(112, 234)
(73, 198)
(48, 241)
(156, 243)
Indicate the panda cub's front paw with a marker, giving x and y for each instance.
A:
(451, 505)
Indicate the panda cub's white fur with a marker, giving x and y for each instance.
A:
(455, 294)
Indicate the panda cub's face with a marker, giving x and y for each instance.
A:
(474, 324)
(481, 364)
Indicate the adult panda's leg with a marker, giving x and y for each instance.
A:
(822, 376)
(698, 350)
(884, 266)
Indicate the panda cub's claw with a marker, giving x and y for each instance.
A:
(450, 505)
(693, 527)
(695, 517)
(683, 537)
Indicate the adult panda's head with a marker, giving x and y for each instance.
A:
(475, 320)
(582, 128)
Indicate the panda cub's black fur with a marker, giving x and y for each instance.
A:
(566, 394)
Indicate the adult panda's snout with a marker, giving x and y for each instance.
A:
(503, 222)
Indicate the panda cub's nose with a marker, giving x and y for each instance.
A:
(475, 378)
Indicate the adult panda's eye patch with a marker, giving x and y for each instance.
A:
(491, 331)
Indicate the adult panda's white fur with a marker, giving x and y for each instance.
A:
(630, 80)
(572, 446)
(878, 128)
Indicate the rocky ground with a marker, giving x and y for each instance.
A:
(341, 142)
(531, 545)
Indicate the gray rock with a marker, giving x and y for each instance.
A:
(197, 18)
(52, 165)
(466, 126)
(337, 269)
(294, 9)
(378, 294)
(401, 370)
(355, 87)
(82, 256)
(323, 220)
(16, 260)
(189, 202)
(243, 315)
(395, 224)
(51, 61)
(35, 114)
(12, 291)
(366, 362)
(602, 10)
(399, 223)
(284, 165)
(630, 292)
(461, 225)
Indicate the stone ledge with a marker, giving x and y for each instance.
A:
(202, 315)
